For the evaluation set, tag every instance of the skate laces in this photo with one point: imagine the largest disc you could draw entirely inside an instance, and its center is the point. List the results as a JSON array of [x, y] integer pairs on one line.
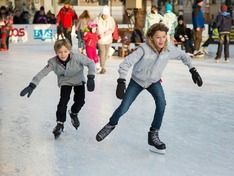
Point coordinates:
[[59, 126], [155, 138], [106, 130]]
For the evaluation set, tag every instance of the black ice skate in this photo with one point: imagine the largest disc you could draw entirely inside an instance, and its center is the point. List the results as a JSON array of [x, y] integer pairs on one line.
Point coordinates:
[[105, 131], [58, 129], [155, 143], [74, 119]]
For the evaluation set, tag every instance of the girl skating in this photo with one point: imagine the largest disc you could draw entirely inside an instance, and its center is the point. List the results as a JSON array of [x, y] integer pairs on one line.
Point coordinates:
[[148, 62]]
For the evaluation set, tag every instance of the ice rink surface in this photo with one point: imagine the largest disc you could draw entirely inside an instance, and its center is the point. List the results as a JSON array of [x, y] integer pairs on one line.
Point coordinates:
[[198, 126]]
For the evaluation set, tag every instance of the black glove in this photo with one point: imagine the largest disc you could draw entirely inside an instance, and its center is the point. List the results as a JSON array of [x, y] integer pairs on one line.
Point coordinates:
[[28, 90], [196, 77], [90, 83], [121, 87]]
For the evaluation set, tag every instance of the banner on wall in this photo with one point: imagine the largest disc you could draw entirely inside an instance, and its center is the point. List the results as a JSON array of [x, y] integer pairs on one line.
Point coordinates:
[[33, 34]]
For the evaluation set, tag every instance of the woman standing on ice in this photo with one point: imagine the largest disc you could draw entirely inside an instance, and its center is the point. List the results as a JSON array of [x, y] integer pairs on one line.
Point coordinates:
[[148, 62], [69, 68]]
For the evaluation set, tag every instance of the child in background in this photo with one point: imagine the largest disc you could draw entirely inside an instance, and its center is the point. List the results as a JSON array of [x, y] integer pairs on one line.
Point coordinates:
[[91, 38], [69, 68], [184, 35]]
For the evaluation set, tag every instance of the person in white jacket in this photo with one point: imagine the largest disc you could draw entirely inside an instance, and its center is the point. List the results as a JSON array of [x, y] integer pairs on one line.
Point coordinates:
[[106, 26], [148, 62], [152, 18]]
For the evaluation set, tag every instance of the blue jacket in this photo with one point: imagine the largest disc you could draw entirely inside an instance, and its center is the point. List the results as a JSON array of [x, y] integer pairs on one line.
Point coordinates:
[[198, 17]]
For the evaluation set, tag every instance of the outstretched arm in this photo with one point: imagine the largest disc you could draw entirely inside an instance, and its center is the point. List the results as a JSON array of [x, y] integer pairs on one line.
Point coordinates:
[[35, 81]]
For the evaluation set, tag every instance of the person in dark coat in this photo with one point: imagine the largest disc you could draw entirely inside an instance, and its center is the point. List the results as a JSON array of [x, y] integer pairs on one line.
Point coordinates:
[[184, 35], [224, 25]]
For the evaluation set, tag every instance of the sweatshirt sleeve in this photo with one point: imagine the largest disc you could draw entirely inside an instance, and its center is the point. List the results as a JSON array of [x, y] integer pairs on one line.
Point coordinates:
[[130, 60], [89, 63], [179, 54], [44, 72]]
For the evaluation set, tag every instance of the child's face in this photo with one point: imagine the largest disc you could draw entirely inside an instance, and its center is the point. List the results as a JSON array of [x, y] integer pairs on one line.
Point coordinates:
[[94, 29], [181, 21], [63, 53], [159, 39]]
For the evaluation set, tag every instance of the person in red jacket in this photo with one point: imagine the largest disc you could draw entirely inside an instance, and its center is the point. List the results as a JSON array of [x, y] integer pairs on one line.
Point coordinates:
[[66, 18], [91, 38]]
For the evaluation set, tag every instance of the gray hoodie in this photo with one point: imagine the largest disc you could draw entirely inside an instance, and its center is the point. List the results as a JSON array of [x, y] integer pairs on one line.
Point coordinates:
[[148, 65], [72, 74]]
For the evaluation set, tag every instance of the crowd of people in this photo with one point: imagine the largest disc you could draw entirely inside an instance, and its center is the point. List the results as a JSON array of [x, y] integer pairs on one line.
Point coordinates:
[[10, 16], [179, 33]]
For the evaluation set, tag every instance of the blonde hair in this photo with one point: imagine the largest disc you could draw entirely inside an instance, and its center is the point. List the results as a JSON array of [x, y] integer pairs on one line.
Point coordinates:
[[60, 43]]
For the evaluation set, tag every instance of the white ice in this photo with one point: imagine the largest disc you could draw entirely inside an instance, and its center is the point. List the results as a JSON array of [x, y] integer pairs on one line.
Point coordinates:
[[198, 126]]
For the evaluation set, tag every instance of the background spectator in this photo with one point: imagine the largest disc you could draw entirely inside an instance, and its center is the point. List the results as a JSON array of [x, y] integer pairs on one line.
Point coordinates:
[[224, 25], [81, 27], [198, 26], [184, 35], [106, 26], [51, 19], [152, 18], [66, 18], [170, 20], [40, 16]]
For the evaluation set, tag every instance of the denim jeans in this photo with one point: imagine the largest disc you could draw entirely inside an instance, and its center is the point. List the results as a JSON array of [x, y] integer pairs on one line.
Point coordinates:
[[134, 89]]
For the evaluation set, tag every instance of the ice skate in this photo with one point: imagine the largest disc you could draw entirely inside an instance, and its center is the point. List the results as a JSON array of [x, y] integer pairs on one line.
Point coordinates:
[[105, 131], [155, 144], [103, 71], [74, 120], [58, 129]]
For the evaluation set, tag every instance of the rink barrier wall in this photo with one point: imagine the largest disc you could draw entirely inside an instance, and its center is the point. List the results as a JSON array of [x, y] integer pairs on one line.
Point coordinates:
[[41, 33]]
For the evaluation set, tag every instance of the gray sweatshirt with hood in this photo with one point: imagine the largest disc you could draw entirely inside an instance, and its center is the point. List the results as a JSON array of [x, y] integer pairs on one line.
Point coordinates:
[[148, 64], [72, 74]]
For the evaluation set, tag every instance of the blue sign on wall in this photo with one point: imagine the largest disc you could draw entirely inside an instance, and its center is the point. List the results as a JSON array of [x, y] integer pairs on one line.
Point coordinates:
[[42, 34]]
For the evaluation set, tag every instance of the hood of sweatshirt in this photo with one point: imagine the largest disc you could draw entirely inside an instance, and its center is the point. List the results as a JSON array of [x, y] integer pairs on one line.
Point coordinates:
[[225, 13]]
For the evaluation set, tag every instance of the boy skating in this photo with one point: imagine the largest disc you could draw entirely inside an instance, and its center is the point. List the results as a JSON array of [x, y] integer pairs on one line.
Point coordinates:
[[69, 69]]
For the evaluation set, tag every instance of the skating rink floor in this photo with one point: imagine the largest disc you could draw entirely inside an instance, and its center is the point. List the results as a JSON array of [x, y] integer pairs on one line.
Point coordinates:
[[198, 126]]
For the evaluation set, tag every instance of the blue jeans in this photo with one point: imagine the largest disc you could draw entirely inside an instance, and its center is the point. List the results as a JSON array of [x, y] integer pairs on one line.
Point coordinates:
[[131, 93]]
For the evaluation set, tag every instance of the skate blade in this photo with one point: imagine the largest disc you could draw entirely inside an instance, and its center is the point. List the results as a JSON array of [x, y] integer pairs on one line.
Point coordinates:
[[74, 125], [56, 136], [154, 150]]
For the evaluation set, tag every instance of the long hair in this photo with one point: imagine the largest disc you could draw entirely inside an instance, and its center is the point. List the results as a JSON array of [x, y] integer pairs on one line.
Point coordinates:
[[85, 14]]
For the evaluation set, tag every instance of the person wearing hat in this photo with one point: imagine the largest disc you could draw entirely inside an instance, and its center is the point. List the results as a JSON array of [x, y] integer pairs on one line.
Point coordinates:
[[105, 28], [198, 26], [224, 25], [91, 38], [170, 20], [66, 18], [184, 35]]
